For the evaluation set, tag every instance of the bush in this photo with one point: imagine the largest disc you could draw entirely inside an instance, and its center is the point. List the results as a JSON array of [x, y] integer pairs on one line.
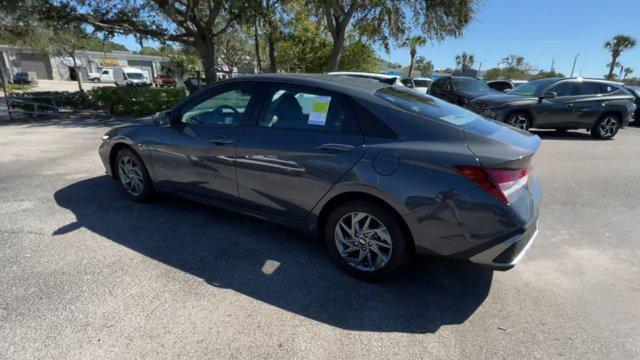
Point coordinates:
[[60, 99], [135, 101]]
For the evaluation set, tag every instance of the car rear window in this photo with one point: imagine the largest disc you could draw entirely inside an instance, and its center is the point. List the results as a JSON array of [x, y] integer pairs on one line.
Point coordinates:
[[428, 106]]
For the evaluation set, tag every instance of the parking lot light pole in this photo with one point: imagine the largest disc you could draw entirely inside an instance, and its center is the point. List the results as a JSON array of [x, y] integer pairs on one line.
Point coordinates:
[[574, 64]]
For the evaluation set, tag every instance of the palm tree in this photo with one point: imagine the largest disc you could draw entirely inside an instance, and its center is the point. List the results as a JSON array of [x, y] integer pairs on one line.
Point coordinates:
[[616, 46], [627, 71], [413, 43], [464, 61]]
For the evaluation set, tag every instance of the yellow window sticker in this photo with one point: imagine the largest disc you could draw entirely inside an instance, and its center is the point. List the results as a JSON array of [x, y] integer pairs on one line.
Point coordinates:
[[319, 110]]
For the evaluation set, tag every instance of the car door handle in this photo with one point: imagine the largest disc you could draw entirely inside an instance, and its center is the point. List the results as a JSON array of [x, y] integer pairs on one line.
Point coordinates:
[[335, 147], [221, 140]]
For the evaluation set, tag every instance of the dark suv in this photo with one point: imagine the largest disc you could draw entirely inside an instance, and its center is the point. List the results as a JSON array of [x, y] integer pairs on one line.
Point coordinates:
[[459, 90], [600, 106]]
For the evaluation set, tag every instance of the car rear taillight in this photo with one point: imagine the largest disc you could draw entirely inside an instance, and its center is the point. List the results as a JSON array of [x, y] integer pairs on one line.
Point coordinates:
[[498, 182]]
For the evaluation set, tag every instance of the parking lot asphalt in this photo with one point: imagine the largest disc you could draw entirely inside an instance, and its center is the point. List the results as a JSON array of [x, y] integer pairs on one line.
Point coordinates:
[[87, 274]]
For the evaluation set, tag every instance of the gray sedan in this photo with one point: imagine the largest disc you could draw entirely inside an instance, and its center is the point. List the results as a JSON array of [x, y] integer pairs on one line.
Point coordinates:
[[378, 171]]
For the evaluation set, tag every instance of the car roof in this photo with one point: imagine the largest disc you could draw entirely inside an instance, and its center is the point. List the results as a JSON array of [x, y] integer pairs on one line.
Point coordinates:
[[352, 85], [364, 74]]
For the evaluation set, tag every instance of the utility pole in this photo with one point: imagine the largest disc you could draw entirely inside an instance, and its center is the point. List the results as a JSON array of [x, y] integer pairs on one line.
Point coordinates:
[[621, 69], [574, 64], [479, 68], [553, 62]]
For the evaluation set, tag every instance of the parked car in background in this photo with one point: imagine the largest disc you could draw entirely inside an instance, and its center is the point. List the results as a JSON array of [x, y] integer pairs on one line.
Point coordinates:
[[383, 78], [459, 90], [125, 76], [418, 84], [603, 107], [163, 80], [635, 91], [25, 77], [501, 85], [378, 171]]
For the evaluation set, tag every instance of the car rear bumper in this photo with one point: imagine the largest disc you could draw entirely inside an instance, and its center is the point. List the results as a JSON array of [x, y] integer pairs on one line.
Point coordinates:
[[507, 254]]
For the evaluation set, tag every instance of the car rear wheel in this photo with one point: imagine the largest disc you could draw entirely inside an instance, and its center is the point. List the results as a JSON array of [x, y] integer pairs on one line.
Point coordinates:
[[133, 176], [520, 120], [366, 240], [607, 127]]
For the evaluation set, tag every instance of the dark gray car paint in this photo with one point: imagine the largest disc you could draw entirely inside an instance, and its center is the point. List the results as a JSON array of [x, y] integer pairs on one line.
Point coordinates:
[[290, 181], [572, 112]]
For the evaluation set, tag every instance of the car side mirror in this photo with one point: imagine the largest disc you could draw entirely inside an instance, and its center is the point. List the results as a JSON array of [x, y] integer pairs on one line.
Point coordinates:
[[547, 95], [162, 118]]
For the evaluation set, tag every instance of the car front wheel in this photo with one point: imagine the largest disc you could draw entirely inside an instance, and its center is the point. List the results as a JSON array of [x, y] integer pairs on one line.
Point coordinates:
[[133, 176], [607, 127], [520, 120], [366, 240]]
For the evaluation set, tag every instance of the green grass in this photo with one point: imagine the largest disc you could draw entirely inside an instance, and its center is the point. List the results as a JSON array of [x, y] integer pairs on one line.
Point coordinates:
[[19, 87]]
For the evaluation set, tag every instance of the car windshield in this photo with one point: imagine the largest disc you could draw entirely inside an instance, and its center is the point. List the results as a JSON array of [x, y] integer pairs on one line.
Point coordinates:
[[421, 83], [470, 85], [426, 105], [533, 87], [135, 76]]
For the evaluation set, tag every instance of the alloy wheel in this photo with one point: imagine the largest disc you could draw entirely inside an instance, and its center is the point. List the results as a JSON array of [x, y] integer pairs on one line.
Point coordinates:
[[608, 127], [520, 121], [130, 176], [363, 241]]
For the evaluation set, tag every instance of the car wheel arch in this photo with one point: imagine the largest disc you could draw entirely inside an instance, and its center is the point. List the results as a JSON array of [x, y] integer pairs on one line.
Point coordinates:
[[347, 196], [616, 113]]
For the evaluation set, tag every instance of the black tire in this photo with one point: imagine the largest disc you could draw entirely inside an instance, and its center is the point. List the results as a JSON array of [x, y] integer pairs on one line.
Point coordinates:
[[95, 80], [607, 127], [399, 251], [519, 119], [140, 195]]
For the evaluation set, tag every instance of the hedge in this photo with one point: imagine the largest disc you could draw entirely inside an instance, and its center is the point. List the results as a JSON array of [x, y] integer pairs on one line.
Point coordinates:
[[132, 101], [135, 101], [60, 99]]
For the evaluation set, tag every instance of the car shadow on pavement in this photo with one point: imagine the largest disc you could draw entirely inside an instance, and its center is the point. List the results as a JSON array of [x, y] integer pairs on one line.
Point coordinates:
[[273, 264]]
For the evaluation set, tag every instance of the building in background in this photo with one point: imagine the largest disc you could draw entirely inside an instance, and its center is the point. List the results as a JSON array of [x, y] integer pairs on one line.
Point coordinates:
[[49, 67]]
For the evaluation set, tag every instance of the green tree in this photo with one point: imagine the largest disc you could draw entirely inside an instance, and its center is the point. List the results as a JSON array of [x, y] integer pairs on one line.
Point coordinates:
[[386, 20], [413, 42], [547, 74], [195, 23], [424, 66], [464, 61], [616, 46], [626, 72], [493, 74]]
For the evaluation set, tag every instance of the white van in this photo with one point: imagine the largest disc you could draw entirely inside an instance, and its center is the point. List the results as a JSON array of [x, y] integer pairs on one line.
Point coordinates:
[[104, 76], [125, 76]]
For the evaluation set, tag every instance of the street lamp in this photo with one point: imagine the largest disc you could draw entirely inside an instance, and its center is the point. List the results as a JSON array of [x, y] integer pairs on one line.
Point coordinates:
[[574, 64]]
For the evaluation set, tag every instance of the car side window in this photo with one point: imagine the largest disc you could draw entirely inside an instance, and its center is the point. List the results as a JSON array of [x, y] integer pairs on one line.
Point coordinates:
[[447, 85], [436, 85], [407, 82], [295, 109], [587, 88], [607, 89], [562, 89], [225, 108]]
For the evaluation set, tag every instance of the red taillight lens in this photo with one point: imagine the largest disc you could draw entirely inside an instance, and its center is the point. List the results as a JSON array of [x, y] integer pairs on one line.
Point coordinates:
[[500, 183]]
